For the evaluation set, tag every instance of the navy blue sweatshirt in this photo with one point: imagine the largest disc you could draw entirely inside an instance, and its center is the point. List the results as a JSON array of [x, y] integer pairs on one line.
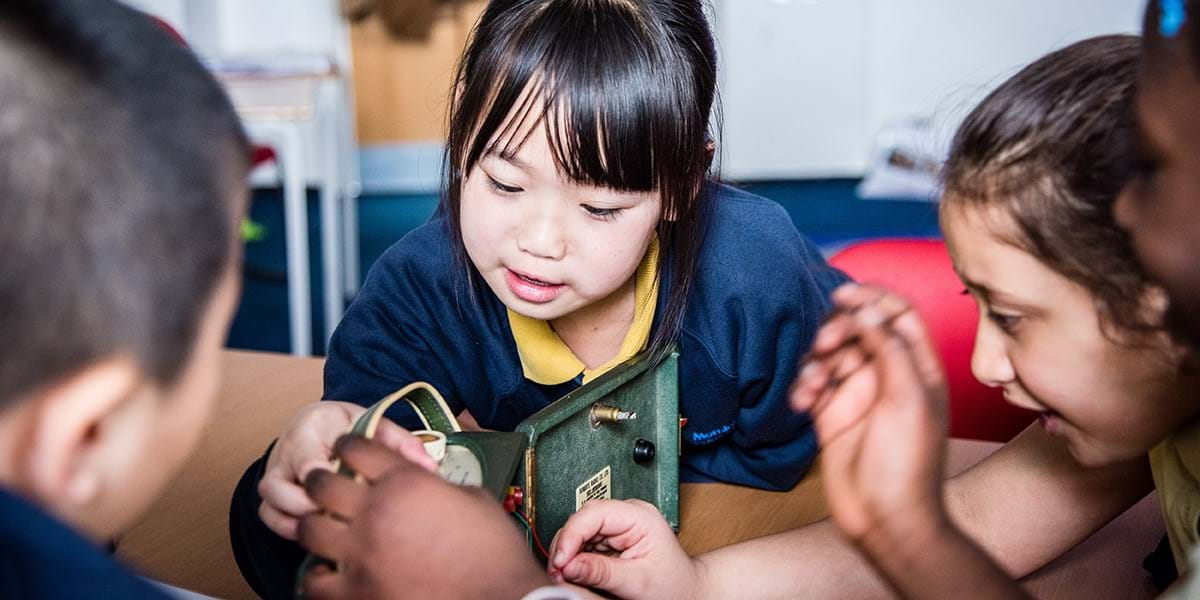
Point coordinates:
[[760, 292], [43, 558]]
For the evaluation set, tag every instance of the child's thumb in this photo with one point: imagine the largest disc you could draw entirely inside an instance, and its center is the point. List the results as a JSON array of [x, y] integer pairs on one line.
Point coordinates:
[[594, 571], [401, 441]]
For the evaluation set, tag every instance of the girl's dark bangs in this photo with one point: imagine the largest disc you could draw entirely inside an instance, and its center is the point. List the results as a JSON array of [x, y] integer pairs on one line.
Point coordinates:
[[610, 119]]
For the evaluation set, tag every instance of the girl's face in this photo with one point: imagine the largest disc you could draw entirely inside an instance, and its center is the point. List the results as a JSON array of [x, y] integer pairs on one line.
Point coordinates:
[[547, 246], [1040, 340], [1161, 206]]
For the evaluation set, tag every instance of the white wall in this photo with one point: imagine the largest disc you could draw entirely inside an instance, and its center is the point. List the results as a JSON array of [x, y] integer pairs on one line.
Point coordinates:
[[807, 83], [793, 89], [240, 28]]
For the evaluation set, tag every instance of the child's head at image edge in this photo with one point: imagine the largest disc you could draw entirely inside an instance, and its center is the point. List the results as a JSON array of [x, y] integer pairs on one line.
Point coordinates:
[[122, 170], [1161, 206], [1070, 326], [578, 136]]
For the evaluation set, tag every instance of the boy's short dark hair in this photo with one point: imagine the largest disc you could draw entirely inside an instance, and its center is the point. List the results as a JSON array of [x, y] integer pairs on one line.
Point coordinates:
[[120, 164]]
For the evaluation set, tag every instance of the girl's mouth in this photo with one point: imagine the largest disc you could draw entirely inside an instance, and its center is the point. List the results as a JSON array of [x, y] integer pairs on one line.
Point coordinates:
[[531, 289]]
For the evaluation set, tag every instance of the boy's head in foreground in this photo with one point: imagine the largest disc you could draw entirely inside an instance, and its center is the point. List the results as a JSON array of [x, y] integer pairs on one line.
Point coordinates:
[[1161, 206], [122, 170]]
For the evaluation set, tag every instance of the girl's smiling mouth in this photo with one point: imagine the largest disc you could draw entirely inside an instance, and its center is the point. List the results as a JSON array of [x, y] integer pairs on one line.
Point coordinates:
[[531, 289]]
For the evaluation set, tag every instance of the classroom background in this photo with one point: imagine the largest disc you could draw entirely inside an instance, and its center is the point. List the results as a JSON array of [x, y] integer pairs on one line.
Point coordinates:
[[840, 110]]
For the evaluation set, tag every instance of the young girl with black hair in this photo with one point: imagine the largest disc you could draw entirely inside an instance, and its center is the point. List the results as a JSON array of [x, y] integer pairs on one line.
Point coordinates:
[[578, 228]]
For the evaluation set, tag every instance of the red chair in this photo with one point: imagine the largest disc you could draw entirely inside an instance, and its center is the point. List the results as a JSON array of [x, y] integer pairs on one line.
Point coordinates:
[[921, 271]]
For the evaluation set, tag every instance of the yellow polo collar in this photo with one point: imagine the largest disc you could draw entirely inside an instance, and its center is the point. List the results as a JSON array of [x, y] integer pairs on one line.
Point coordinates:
[[547, 360]]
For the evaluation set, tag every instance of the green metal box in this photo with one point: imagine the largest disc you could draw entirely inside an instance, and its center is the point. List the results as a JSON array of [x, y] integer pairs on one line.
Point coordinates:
[[571, 456], [615, 437]]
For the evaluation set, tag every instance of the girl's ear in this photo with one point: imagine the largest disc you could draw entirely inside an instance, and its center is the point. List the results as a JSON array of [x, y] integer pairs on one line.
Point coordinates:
[[1153, 304]]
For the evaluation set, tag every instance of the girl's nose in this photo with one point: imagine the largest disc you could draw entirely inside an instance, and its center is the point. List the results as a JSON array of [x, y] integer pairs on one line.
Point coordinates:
[[542, 236], [989, 360]]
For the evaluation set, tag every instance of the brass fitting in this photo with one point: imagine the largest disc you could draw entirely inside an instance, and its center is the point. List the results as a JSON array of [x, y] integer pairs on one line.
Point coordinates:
[[601, 414]]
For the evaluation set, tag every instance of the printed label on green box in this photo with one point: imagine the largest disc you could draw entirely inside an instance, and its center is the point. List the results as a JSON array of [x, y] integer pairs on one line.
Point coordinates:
[[597, 487]]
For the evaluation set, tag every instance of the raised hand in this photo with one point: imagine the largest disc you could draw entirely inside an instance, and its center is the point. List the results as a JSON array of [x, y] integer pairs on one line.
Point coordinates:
[[877, 394]]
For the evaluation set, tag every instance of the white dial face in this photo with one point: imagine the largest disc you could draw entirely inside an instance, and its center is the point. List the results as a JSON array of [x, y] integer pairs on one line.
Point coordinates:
[[461, 467]]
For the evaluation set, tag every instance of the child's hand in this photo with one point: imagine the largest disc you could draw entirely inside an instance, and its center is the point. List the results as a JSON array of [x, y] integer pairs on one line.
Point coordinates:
[[307, 444], [877, 394], [624, 547], [406, 533]]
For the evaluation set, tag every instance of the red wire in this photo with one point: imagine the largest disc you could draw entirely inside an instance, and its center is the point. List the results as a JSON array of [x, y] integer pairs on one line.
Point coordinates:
[[533, 530]]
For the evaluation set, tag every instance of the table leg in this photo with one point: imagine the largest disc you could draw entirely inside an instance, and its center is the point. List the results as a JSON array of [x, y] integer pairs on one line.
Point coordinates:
[[284, 136], [331, 226]]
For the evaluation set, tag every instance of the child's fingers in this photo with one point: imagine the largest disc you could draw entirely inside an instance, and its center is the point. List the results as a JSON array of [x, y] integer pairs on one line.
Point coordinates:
[[842, 325], [336, 494], [284, 495], [324, 535], [813, 381], [581, 527], [467, 421], [851, 296], [551, 568], [897, 313], [603, 518], [592, 570], [833, 334], [840, 367], [910, 327], [283, 525], [323, 583], [849, 360], [408, 445], [369, 458], [899, 376], [818, 375], [846, 406], [322, 461], [813, 378]]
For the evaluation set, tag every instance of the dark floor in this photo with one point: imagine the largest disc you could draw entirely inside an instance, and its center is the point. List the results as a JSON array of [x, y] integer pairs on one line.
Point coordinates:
[[828, 211]]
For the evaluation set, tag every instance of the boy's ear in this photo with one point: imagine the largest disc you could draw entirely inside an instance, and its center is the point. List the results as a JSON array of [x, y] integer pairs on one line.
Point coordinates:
[[67, 427]]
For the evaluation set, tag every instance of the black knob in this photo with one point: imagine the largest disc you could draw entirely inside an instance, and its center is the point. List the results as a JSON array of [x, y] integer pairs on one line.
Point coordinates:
[[643, 451]]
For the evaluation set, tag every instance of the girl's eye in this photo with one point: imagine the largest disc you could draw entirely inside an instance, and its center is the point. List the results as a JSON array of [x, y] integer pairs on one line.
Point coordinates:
[[1007, 323], [602, 213], [503, 189]]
